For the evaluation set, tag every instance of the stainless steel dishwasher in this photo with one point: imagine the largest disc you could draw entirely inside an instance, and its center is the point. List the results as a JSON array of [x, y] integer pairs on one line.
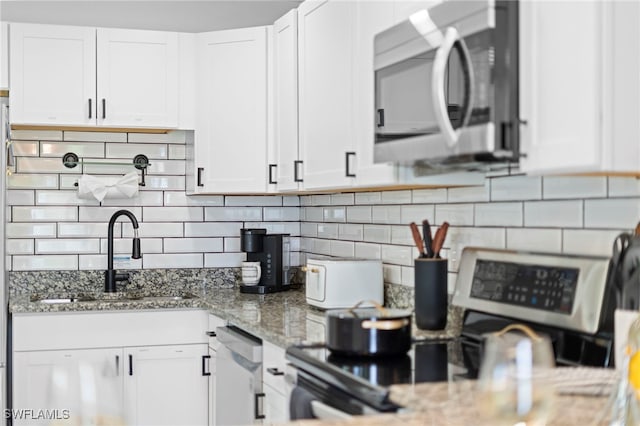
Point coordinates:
[[238, 392]]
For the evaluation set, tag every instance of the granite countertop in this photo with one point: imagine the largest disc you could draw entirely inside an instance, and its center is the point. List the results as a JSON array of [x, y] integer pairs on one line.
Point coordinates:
[[282, 318]]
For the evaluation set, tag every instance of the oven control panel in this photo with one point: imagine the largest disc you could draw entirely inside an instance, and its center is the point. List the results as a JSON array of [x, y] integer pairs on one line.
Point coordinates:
[[545, 288]]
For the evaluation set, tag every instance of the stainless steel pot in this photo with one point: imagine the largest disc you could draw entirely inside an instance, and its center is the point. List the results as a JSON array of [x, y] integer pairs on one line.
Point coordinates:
[[369, 331]]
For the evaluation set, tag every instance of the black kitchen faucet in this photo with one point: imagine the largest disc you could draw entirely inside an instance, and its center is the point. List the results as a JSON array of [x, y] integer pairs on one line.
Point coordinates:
[[111, 276]]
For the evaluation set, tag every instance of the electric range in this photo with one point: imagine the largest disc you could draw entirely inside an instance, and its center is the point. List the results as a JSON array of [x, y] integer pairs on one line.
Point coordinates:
[[569, 298]]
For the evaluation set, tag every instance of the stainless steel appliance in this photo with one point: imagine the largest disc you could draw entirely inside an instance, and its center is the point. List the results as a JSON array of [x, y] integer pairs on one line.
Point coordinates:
[[273, 253], [565, 297], [238, 394], [446, 87]]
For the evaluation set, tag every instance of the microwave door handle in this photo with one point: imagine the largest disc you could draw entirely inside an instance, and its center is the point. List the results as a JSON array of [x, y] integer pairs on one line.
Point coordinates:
[[451, 36]]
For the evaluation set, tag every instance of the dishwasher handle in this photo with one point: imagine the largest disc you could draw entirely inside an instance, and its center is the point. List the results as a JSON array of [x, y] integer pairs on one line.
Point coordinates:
[[241, 343]]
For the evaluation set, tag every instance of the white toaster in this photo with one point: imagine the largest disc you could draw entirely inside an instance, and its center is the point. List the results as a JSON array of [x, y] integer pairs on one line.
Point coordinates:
[[341, 283]]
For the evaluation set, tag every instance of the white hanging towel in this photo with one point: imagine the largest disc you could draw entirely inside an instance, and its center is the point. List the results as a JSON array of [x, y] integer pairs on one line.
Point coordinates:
[[108, 187]]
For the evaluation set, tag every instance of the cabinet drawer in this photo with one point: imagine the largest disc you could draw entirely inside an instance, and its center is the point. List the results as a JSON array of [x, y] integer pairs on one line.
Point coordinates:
[[273, 366]]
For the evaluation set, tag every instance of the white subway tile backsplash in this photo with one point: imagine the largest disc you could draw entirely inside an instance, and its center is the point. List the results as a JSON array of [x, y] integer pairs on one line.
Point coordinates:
[[62, 198], [322, 247], [155, 229], [176, 136], [386, 214], [417, 213], [43, 165], [224, 260], [612, 213], [321, 200], [167, 183], [459, 238], [516, 188], [313, 214], [499, 214], [556, 214], [368, 197], [94, 136], [34, 230], [535, 239], [342, 199], [568, 187], [179, 198], [173, 260], [232, 244], [143, 198], [368, 251], [37, 135], [328, 230], [232, 214], [168, 214], [82, 150], [252, 200], [588, 241], [16, 197], [33, 181], [624, 187], [193, 245], [451, 282], [86, 230], [44, 214], [398, 255], [407, 276], [291, 200], [124, 245], [46, 262], [130, 150], [467, 194], [392, 274], [103, 214], [342, 248], [308, 229], [19, 246], [67, 246], [92, 262], [109, 166], [167, 167], [402, 235], [334, 214], [455, 214], [377, 233], [396, 197], [424, 196], [349, 231], [25, 148], [281, 214], [212, 229], [177, 152], [359, 214]]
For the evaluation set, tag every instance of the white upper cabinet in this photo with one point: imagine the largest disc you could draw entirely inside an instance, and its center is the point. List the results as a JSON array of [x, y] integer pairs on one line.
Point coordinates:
[[285, 64], [579, 89], [231, 122], [326, 52], [4, 55], [53, 75], [56, 81], [137, 78]]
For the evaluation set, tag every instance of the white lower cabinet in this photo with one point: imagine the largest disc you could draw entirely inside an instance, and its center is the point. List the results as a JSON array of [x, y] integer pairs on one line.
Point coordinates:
[[214, 322], [138, 368], [166, 385], [276, 395]]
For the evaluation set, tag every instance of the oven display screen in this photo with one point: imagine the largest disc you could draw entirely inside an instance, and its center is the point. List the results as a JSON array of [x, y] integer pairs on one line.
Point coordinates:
[[547, 288]]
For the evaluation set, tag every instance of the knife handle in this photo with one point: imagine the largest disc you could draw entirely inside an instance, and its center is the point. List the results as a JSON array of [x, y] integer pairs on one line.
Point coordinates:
[[438, 239], [417, 239], [428, 238]]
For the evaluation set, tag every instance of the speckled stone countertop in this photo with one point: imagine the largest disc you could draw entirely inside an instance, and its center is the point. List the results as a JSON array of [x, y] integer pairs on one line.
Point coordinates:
[[281, 318]]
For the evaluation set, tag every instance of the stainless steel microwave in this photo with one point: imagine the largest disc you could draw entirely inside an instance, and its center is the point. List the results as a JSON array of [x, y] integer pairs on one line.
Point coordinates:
[[446, 87]]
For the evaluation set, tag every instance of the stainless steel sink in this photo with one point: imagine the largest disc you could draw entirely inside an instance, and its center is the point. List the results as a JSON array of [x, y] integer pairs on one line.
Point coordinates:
[[109, 297], [56, 299]]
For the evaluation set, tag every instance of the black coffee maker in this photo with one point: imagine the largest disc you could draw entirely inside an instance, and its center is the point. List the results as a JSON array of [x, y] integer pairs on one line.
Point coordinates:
[[272, 251]]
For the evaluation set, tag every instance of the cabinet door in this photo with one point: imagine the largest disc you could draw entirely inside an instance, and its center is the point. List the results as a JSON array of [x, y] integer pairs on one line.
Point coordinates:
[[231, 126], [53, 74], [561, 84], [285, 33], [371, 18], [137, 78], [325, 46], [4, 55], [166, 385], [86, 382], [276, 407]]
